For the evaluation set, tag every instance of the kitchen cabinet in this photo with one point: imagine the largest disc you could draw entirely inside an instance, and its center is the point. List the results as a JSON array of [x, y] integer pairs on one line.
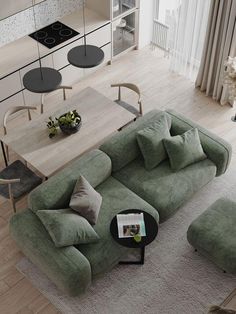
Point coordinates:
[[100, 37], [34, 99], [120, 7], [60, 56], [71, 75], [107, 52], [10, 85], [16, 100], [12, 7]]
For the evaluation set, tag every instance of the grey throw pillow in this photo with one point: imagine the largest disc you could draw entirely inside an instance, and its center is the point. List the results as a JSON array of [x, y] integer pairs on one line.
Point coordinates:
[[66, 227], [184, 150], [151, 144], [86, 201]]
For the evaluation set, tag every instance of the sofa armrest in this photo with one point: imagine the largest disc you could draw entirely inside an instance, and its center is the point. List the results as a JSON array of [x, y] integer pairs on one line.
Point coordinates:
[[217, 150], [66, 267], [55, 193]]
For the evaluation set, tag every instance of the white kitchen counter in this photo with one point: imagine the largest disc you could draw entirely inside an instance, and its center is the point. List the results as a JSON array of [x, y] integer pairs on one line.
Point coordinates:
[[23, 51]]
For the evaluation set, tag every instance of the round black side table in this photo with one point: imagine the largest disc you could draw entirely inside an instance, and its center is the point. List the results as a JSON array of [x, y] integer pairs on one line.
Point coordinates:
[[151, 227]]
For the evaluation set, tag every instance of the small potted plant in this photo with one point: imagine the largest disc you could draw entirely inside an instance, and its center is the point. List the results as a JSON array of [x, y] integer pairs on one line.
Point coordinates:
[[69, 123]]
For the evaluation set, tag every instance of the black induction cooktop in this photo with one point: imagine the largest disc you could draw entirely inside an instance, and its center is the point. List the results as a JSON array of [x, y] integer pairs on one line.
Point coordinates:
[[54, 34]]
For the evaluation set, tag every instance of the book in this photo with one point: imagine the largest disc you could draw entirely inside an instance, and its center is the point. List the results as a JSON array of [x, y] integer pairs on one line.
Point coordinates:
[[130, 225]]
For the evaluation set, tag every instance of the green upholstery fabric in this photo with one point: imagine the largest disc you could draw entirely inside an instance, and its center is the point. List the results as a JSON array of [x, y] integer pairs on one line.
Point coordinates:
[[216, 149], [150, 141], [67, 227], [66, 266], [55, 193], [123, 148], [106, 253], [184, 150], [214, 234], [159, 190], [164, 189], [85, 200]]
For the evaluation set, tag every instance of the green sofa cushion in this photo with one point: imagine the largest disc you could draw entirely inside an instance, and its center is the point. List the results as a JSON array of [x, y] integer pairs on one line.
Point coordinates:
[[106, 253], [217, 149], [213, 233], [65, 266], [55, 193], [123, 148], [184, 150], [67, 227], [150, 141], [164, 189]]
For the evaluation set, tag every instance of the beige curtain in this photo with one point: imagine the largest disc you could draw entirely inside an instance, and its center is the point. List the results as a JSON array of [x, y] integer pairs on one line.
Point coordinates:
[[219, 44]]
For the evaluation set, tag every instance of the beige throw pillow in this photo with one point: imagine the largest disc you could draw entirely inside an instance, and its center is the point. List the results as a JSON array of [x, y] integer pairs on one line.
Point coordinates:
[[86, 201]]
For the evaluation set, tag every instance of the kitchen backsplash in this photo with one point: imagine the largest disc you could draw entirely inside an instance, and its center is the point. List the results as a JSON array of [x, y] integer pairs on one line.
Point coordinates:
[[47, 12]]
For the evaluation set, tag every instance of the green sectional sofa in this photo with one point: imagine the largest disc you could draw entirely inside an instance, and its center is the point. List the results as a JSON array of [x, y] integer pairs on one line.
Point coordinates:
[[117, 172]]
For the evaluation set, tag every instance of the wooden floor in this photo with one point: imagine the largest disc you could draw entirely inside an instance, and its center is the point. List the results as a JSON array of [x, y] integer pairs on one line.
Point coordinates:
[[160, 89]]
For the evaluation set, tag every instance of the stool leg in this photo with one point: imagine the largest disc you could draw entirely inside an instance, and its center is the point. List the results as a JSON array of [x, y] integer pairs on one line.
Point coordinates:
[[42, 103]]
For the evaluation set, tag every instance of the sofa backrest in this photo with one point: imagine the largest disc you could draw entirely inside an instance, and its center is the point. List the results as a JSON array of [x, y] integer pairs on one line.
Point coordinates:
[[55, 193], [217, 150], [123, 148]]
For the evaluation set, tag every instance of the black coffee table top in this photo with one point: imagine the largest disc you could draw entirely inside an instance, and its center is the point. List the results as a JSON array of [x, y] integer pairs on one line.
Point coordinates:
[[151, 227]]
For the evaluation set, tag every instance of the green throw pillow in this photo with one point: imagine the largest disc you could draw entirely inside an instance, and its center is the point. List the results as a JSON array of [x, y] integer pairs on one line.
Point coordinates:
[[67, 227], [151, 144], [184, 150]]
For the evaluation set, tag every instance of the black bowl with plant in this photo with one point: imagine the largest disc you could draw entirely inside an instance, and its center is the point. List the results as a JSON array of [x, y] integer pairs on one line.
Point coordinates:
[[69, 123]]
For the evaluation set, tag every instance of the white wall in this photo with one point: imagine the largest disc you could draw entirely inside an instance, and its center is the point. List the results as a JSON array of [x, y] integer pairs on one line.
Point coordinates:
[[146, 22]]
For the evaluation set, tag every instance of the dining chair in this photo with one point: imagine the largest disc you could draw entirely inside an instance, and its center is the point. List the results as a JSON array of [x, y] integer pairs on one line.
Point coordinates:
[[10, 112], [8, 190], [16, 179], [137, 112], [64, 88]]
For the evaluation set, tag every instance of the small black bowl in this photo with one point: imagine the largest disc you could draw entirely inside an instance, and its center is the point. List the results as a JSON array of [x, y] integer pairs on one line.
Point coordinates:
[[68, 129]]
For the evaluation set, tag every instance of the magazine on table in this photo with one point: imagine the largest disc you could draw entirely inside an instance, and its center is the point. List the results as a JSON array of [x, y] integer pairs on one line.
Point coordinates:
[[130, 225]]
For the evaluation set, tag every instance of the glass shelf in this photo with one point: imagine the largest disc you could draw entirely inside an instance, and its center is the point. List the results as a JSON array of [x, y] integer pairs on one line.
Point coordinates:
[[12, 7], [122, 6], [124, 33]]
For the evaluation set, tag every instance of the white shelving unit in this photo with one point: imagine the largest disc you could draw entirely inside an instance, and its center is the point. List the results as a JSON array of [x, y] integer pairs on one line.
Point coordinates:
[[125, 24]]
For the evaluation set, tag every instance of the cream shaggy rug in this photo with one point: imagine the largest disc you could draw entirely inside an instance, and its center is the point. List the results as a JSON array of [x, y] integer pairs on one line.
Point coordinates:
[[173, 280]]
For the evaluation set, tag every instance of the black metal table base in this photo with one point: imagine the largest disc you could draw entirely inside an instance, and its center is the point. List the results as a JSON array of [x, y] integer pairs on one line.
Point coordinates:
[[140, 262]]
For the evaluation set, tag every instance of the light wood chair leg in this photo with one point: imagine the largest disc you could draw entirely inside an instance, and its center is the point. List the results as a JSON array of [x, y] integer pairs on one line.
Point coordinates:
[[7, 152], [119, 94], [29, 115], [140, 108], [13, 205], [12, 200]]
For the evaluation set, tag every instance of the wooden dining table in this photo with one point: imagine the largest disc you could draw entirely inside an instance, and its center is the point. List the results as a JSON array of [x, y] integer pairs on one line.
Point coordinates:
[[101, 117]]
